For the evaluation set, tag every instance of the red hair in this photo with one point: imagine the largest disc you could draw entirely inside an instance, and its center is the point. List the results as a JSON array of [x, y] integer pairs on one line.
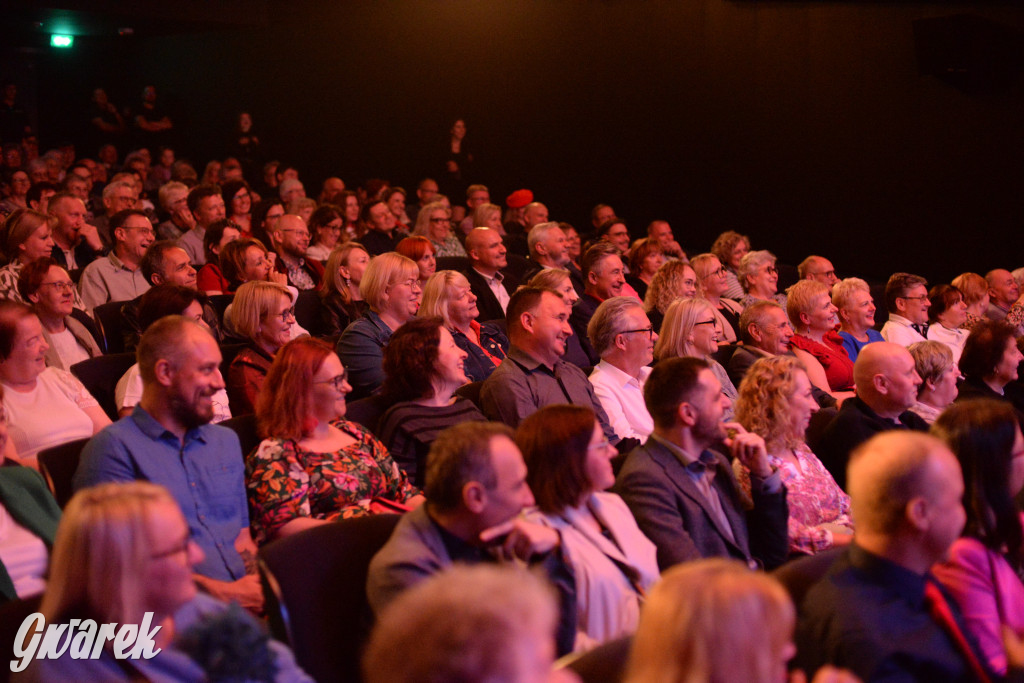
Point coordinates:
[[414, 247], [284, 407]]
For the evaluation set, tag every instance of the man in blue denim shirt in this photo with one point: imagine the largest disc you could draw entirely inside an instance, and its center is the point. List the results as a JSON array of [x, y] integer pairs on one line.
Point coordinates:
[[168, 440]]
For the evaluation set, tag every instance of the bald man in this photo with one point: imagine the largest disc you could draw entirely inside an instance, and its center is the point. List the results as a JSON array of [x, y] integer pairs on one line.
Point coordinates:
[[291, 240], [818, 268], [871, 613], [1005, 301], [887, 385], [487, 259]]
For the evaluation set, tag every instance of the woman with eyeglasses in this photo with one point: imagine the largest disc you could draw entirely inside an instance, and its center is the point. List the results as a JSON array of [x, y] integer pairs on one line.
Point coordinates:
[[759, 278], [238, 203], [313, 466], [326, 225], [262, 314], [568, 465], [49, 290], [123, 555], [776, 403], [985, 565], [712, 284], [421, 251], [434, 221], [816, 343], [391, 288], [692, 330], [423, 367]]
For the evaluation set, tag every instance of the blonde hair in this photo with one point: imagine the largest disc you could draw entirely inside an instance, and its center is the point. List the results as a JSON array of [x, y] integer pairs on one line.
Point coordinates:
[[549, 278], [666, 285], [438, 294], [104, 540], [844, 290], [253, 302], [384, 271], [701, 264], [21, 225], [931, 359], [677, 328], [333, 282], [973, 286], [763, 407], [422, 227], [712, 621], [800, 299]]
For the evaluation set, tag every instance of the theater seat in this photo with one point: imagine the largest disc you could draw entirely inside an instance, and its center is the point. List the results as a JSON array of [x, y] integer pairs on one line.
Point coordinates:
[[12, 614], [100, 376], [604, 664], [315, 587], [797, 576], [245, 427], [57, 464]]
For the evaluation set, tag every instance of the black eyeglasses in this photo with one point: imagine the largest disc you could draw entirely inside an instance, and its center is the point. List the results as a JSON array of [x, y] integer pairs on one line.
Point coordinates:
[[705, 322], [647, 330], [338, 381]]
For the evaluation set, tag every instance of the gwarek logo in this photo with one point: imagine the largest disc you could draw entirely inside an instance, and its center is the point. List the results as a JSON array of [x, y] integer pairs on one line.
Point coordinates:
[[82, 639]]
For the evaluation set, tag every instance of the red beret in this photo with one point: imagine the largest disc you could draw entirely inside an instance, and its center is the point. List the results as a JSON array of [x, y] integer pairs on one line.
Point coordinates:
[[519, 199]]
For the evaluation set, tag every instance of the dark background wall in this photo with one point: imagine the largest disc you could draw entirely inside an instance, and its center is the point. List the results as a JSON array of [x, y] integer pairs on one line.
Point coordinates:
[[808, 125]]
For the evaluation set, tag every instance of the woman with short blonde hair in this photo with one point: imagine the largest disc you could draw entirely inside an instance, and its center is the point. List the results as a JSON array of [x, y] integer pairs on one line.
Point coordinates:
[[712, 283], [775, 402], [434, 222], [713, 620], [856, 311], [816, 343], [262, 313], [975, 290], [939, 374], [759, 278]]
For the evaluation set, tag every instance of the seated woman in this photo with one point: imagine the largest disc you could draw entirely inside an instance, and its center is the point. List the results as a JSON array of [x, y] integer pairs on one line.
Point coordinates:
[[985, 565], [28, 238], [939, 373], [72, 337], [303, 207], [448, 296], [691, 330], [975, 292], [325, 225], [645, 258], [314, 467], [45, 406], [561, 281], [568, 464], [391, 288], [674, 280], [394, 197], [711, 285], [729, 248], [124, 555], [421, 252], [210, 279], [759, 278], [434, 222], [946, 316], [265, 217], [856, 311], [339, 292], [262, 314], [776, 403], [156, 303], [989, 364], [247, 260], [714, 620], [488, 216], [816, 344], [28, 524], [237, 198], [423, 367], [348, 201]]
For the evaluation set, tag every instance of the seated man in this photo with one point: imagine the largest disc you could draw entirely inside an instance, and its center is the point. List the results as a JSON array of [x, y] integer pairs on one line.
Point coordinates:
[[117, 276], [168, 440], [623, 337], [118, 195], [683, 494], [547, 245], [886, 382], [906, 298], [173, 198], [291, 240], [873, 611], [661, 232], [533, 374], [818, 268], [76, 244], [468, 611], [765, 331], [207, 207], [603, 278], [491, 287], [475, 487], [382, 234], [1004, 300]]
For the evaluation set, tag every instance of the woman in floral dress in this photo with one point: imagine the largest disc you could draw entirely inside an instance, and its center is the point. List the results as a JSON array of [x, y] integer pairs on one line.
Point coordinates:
[[315, 467]]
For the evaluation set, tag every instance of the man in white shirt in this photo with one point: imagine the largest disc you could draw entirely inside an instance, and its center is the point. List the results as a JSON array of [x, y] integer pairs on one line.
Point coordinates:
[[623, 337], [906, 298]]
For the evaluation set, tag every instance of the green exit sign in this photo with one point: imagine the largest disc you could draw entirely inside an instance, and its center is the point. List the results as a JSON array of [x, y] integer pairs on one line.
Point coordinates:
[[58, 40]]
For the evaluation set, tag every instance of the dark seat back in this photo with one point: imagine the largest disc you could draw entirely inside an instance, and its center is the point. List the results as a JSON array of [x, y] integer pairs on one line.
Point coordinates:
[[245, 427], [605, 663], [368, 411], [109, 317], [309, 313], [12, 615], [816, 427], [58, 464], [315, 585], [100, 376], [797, 576]]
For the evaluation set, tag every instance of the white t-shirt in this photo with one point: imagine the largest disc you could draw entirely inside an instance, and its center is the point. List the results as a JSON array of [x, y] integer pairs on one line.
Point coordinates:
[[23, 555], [68, 348], [51, 414], [128, 393]]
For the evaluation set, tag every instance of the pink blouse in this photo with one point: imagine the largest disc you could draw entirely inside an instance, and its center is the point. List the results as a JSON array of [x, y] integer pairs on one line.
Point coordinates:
[[814, 499]]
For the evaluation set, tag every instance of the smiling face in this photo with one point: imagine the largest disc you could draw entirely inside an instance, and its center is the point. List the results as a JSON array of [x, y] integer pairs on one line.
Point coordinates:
[[801, 404], [598, 463], [821, 315], [606, 279], [330, 385], [396, 204], [210, 210], [449, 368], [859, 312], [27, 352], [619, 236], [354, 266], [276, 326], [715, 279], [1006, 369], [439, 224], [177, 269], [764, 282], [550, 328], [955, 315], [241, 203], [639, 346], [462, 308], [705, 333], [427, 264], [257, 265], [196, 380], [739, 250], [568, 292], [776, 332], [1003, 287], [329, 234], [167, 583], [38, 244], [381, 218], [55, 296], [134, 237], [914, 305], [402, 297]]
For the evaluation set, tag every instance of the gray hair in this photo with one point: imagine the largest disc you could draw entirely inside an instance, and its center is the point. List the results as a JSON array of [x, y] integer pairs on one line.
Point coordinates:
[[609, 321]]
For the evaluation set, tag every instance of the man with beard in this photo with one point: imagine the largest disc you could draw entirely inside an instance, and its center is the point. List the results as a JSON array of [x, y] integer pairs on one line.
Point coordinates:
[[683, 494], [168, 440], [291, 240]]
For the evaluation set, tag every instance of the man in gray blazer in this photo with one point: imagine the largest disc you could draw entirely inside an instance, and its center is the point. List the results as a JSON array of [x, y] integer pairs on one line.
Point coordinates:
[[683, 494]]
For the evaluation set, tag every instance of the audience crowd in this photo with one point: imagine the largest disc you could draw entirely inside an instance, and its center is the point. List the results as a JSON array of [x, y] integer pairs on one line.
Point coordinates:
[[667, 440]]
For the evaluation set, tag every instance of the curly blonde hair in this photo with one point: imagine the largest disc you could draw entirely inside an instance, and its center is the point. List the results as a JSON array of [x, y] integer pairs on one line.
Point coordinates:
[[763, 403], [666, 285]]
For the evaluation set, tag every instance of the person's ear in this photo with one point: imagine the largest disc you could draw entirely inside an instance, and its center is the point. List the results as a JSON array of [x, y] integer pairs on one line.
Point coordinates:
[[164, 372], [687, 414], [474, 497], [34, 297], [916, 513], [755, 332]]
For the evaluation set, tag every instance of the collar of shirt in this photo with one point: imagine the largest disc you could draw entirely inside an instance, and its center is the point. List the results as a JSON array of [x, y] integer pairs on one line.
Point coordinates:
[[118, 263], [623, 378], [148, 425], [899, 320], [685, 458], [904, 582], [498, 277], [528, 362]]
